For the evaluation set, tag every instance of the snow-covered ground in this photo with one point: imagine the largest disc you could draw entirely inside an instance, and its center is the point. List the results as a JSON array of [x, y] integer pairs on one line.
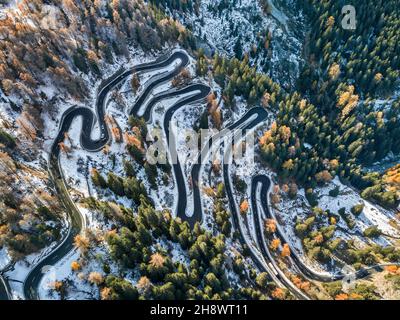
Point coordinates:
[[17, 274], [246, 21], [288, 211], [77, 164], [372, 215], [52, 118], [4, 258], [386, 163]]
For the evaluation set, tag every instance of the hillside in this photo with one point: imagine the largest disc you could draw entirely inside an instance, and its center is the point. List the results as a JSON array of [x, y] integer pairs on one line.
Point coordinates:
[[199, 150]]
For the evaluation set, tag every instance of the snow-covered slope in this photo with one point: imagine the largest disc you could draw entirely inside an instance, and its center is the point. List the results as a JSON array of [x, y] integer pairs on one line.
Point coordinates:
[[241, 26]]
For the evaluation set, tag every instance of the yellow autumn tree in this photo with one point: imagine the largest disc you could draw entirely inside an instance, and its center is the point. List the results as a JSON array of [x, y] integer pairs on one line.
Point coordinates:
[[378, 77], [330, 22], [355, 296], [265, 99], [347, 101], [334, 71], [288, 165], [303, 104], [285, 133]]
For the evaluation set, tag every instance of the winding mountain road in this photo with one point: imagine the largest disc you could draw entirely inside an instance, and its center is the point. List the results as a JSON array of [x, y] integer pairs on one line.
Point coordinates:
[[187, 95], [263, 260], [5, 291], [265, 183], [77, 222], [252, 118]]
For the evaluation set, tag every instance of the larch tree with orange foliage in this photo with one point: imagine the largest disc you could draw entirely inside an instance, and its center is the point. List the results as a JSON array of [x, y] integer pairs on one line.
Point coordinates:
[[75, 266], [275, 243], [285, 251], [96, 278], [275, 198], [302, 285], [270, 226], [342, 296], [64, 148], [244, 207], [319, 238], [116, 133], [392, 269], [82, 243], [334, 71], [144, 285], [278, 294], [323, 176], [157, 260], [265, 99], [105, 294]]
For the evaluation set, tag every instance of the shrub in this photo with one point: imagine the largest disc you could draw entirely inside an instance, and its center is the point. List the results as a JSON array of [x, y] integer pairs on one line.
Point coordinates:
[[372, 232]]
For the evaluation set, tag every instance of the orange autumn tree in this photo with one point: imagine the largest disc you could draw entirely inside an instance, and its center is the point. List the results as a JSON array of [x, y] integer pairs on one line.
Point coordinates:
[[342, 296], [275, 244], [58, 286], [64, 148], [144, 285], [392, 269], [278, 294], [157, 260], [82, 243], [319, 238], [302, 285], [323, 176], [75, 266], [334, 71], [216, 117], [105, 294], [270, 226], [266, 138], [96, 278], [133, 140], [244, 207], [116, 133], [285, 251]]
